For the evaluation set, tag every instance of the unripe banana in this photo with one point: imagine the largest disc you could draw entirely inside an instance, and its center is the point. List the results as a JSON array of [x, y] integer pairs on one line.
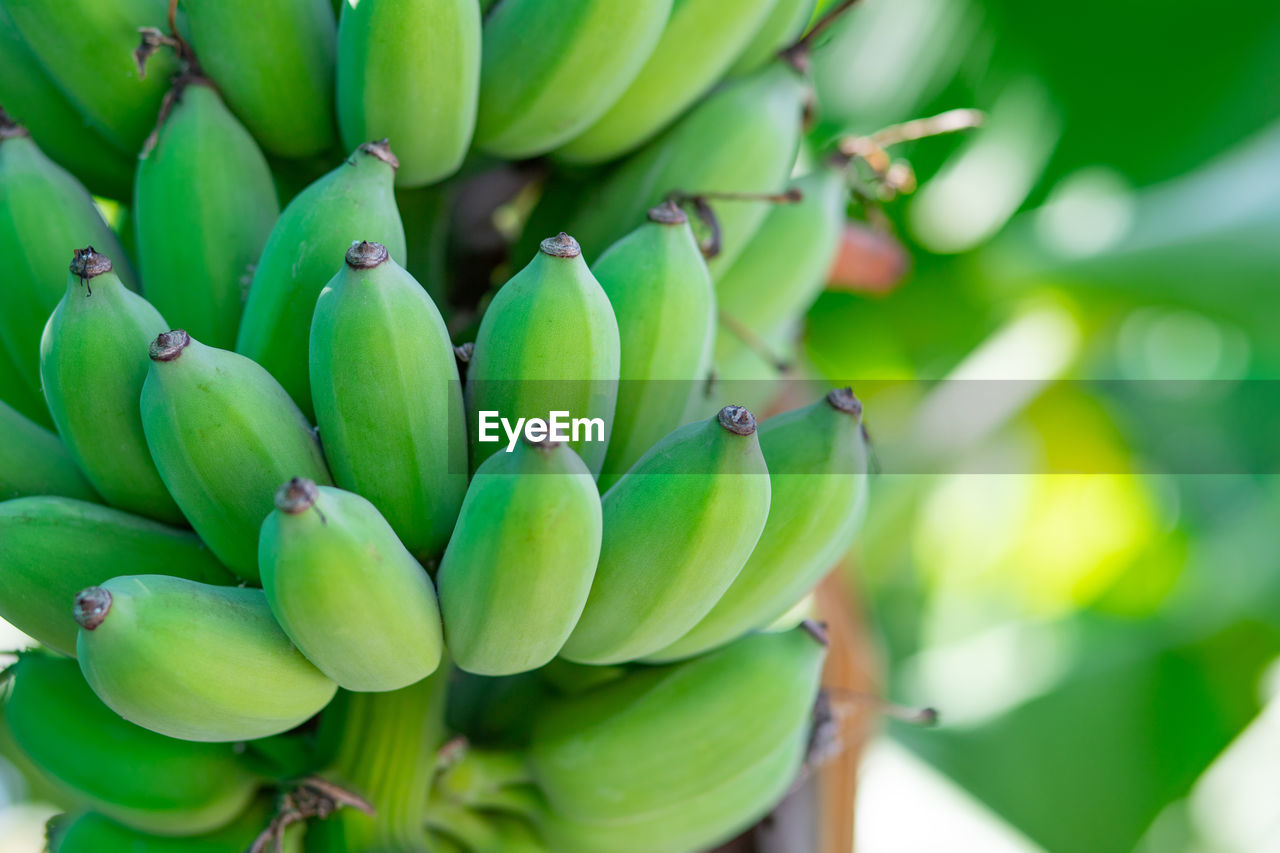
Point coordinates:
[[409, 71], [194, 661], [550, 69], [678, 528], [388, 399], [623, 751], [17, 393], [204, 203], [345, 590], [782, 27], [548, 342], [35, 102], [34, 461], [45, 214], [273, 62], [519, 566], [224, 435], [94, 833], [701, 822], [779, 275], [145, 780], [495, 711], [354, 202], [661, 293], [743, 138], [818, 464], [92, 368], [53, 547], [701, 39], [86, 47]]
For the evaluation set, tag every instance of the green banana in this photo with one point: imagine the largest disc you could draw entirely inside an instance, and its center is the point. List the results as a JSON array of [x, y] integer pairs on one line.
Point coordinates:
[[94, 833], [388, 399], [783, 26], [86, 47], [548, 70], [547, 343], [92, 369], [661, 292], [818, 464], [701, 822], [743, 138], [224, 435], [45, 214], [145, 780], [519, 566], [35, 102], [16, 392], [353, 202], [34, 461], [273, 61], [678, 528], [204, 203], [700, 41], [409, 71], [52, 547], [345, 590], [494, 711], [194, 661], [622, 753], [779, 275]]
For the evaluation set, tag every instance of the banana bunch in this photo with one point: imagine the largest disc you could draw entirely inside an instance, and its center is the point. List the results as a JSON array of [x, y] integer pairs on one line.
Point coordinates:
[[339, 535]]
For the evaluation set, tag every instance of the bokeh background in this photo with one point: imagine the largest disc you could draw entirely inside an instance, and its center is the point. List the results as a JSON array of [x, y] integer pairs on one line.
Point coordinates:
[[1103, 645]]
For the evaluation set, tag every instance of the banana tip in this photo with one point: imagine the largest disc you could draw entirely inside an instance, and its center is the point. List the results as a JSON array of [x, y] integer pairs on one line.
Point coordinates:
[[465, 352], [9, 128], [297, 496], [91, 607], [364, 255], [843, 400], [87, 263], [818, 631], [381, 148], [561, 246], [668, 213], [169, 345], [737, 420]]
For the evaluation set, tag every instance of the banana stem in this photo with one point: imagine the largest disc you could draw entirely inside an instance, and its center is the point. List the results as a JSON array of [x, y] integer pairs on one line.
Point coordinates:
[[461, 824], [483, 779], [387, 752]]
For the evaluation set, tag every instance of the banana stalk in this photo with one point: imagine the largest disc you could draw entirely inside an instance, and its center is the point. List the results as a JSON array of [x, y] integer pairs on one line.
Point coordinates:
[[387, 748]]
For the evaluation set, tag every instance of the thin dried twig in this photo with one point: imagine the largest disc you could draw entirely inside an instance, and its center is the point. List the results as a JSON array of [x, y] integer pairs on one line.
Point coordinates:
[[313, 798]]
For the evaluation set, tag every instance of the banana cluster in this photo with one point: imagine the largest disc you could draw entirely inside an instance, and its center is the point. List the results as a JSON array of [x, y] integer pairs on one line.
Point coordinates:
[[288, 592]]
